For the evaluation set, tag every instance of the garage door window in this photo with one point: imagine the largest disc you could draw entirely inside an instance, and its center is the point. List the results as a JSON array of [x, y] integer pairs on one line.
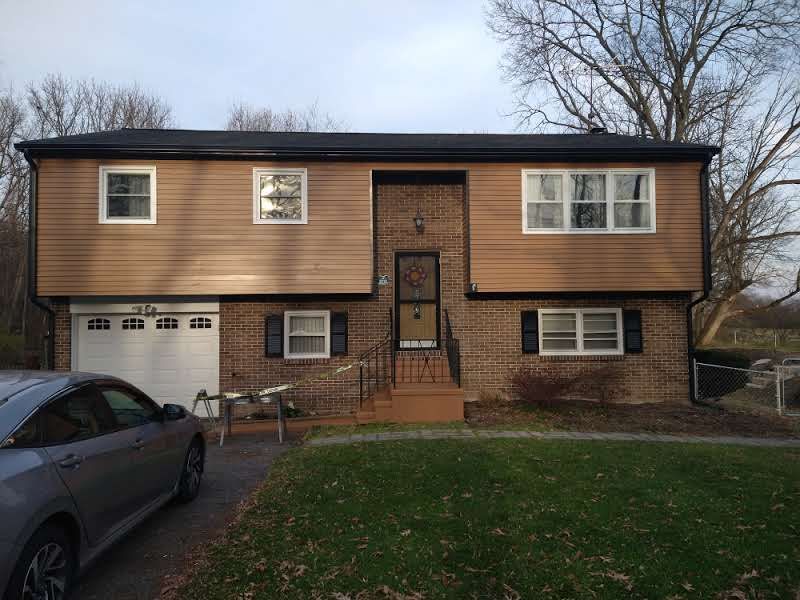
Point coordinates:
[[134, 323], [200, 323], [167, 323], [98, 324]]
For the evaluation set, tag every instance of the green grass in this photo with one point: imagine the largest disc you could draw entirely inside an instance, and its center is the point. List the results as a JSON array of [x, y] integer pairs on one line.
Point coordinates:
[[515, 519], [323, 431]]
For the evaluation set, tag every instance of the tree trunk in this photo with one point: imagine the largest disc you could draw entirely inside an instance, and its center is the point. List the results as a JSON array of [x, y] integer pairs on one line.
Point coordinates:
[[719, 313]]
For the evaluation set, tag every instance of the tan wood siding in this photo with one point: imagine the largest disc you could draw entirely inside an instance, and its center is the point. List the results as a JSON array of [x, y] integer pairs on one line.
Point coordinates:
[[504, 259], [204, 241]]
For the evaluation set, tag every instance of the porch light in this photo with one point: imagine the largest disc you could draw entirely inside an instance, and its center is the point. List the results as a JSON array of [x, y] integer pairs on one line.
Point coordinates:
[[419, 222]]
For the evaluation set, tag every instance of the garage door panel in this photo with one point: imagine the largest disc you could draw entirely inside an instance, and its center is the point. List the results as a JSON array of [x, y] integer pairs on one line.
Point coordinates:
[[170, 357]]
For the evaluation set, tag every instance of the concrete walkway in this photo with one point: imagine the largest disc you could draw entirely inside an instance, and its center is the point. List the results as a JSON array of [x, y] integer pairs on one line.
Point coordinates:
[[472, 434]]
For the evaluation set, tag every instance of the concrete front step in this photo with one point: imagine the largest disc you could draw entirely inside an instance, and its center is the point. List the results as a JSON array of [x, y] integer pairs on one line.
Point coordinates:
[[420, 403]]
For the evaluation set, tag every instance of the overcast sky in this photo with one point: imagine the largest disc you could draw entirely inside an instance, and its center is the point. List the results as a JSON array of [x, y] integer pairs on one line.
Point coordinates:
[[413, 65]]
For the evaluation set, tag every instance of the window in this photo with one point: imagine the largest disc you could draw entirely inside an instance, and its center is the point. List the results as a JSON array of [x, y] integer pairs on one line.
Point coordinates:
[[199, 323], [128, 195], [129, 409], [580, 331], [75, 416], [166, 323], [132, 323], [545, 204], [307, 334], [588, 201], [98, 324], [27, 435], [280, 196]]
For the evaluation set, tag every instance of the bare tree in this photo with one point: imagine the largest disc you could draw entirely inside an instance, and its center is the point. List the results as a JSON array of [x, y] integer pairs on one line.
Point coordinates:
[[722, 72], [244, 117], [53, 107]]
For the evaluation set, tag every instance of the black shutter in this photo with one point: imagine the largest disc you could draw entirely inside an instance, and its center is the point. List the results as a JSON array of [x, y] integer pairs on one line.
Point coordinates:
[[338, 333], [530, 331], [632, 322], [273, 335]]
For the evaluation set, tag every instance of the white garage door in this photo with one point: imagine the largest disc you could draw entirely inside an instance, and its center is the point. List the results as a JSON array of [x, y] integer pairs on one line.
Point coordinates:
[[169, 356]]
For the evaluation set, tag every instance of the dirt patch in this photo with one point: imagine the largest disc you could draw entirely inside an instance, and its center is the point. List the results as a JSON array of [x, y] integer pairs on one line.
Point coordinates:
[[576, 415]]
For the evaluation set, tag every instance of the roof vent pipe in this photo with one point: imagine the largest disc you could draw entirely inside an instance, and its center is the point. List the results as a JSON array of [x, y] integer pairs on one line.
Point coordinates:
[[597, 130]]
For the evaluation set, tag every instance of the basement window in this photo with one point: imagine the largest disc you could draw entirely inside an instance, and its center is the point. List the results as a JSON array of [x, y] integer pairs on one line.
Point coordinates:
[[580, 331], [128, 195], [280, 196], [307, 334]]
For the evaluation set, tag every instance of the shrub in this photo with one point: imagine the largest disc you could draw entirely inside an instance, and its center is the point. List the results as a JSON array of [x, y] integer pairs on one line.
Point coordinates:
[[538, 389], [598, 383], [725, 358]]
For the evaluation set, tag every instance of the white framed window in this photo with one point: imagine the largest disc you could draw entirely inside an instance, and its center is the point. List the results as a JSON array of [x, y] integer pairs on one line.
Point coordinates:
[[280, 196], [199, 323], [580, 331], [588, 201], [98, 324], [132, 323], [128, 195], [307, 334], [166, 323]]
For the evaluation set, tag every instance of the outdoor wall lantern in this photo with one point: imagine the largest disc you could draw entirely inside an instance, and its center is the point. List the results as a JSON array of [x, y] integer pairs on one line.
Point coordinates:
[[419, 222]]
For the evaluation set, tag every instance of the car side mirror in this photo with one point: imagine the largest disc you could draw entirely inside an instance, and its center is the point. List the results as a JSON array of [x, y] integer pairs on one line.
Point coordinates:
[[174, 412]]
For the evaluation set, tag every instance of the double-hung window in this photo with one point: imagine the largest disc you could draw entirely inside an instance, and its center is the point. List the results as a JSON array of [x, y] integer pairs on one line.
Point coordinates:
[[307, 333], [128, 195], [280, 196], [580, 331], [588, 201]]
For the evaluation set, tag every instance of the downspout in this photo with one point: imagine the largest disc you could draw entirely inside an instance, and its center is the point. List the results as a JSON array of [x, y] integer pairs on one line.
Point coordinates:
[[33, 195], [705, 218]]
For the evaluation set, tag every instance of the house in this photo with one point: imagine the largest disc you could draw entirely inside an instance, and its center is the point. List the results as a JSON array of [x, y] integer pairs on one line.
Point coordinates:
[[234, 261]]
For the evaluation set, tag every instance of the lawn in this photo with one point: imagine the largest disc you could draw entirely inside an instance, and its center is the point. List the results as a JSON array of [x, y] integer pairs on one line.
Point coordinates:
[[515, 519]]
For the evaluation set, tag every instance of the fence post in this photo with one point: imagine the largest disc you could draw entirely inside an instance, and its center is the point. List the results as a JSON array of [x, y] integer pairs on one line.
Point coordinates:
[[696, 384], [778, 389]]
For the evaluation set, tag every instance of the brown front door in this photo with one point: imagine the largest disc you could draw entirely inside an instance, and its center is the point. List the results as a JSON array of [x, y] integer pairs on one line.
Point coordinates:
[[417, 300]]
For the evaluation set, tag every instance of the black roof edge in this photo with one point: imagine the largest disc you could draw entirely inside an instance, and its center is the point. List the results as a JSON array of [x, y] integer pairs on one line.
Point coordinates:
[[388, 154]]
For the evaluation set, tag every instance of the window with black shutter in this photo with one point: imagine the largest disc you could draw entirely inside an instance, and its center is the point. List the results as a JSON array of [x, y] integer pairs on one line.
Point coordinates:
[[338, 333], [273, 335], [530, 332], [632, 321]]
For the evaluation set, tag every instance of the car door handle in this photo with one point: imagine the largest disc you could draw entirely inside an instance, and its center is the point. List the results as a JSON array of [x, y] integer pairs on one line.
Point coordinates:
[[73, 460], [138, 445]]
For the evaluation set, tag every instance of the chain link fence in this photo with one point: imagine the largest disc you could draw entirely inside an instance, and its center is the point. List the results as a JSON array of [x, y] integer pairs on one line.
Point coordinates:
[[773, 389]]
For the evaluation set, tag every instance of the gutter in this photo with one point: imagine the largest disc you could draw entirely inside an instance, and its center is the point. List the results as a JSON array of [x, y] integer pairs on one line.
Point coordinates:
[[477, 154], [707, 283], [33, 194]]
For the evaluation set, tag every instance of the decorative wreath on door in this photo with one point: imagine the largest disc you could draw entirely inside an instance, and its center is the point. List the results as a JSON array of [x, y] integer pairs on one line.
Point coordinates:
[[415, 276]]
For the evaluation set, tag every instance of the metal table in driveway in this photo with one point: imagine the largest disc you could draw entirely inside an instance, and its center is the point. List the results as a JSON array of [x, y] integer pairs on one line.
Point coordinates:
[[228, 404]]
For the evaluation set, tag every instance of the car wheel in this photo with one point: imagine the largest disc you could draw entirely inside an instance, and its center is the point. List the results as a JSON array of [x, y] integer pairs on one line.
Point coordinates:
[[192, 473], [45, 569]]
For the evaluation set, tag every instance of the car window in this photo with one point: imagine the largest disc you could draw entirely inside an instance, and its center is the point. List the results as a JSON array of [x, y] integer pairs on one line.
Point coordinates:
[[129, 408], [74, 416], [27, 435]]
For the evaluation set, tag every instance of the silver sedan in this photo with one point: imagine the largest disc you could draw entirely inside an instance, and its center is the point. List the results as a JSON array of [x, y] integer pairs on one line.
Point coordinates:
[[83, 459]]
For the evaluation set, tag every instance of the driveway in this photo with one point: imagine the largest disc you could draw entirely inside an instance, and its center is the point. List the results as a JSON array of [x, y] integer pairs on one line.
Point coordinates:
[[133, 569]]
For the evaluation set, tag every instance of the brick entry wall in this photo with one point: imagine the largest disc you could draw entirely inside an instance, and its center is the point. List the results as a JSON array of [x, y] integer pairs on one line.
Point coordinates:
[[489, 330]]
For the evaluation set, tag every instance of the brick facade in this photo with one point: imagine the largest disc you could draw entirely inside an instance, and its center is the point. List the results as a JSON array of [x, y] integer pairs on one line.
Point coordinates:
[[62, 360], [488, 329]]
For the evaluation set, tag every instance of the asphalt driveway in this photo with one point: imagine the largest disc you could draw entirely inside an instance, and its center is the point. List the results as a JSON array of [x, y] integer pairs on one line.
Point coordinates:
[[134, 568]]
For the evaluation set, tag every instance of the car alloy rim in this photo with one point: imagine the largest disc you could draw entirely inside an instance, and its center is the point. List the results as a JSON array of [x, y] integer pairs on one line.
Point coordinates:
[[194, 467], [46, 578]]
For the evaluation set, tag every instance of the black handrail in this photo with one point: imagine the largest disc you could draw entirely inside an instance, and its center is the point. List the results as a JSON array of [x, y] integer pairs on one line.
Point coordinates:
[[373, 368], [453, 348]]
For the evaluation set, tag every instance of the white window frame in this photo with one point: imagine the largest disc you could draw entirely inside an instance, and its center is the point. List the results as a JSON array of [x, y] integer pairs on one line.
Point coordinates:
[[105, 171], [257, 173], [306, 313], [566, 199], [579, 351]]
